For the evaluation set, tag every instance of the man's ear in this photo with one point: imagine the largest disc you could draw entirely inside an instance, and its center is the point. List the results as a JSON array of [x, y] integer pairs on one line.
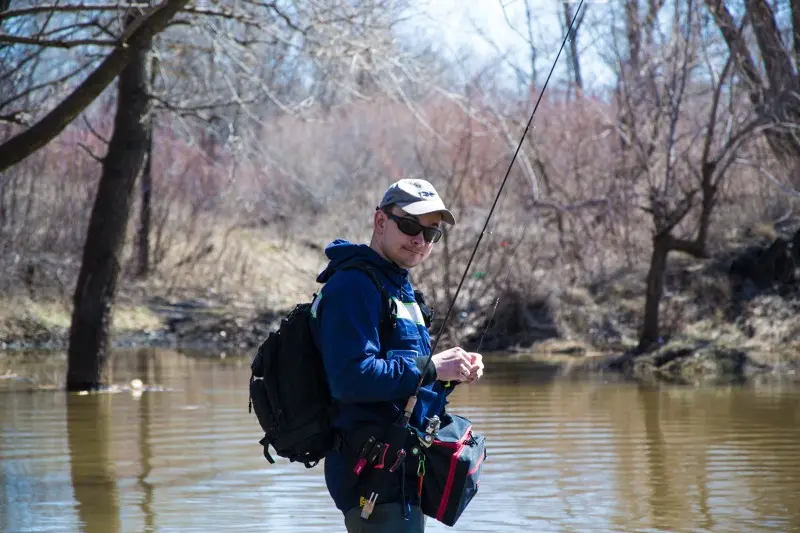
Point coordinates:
[[379, 220]]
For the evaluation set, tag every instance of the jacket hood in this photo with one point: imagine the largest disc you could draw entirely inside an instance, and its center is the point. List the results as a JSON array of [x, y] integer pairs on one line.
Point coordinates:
[[342, 252]]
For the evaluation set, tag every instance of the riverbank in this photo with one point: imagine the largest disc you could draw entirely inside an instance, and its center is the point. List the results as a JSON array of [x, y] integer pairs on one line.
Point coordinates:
[[208, 327], [715, 329]]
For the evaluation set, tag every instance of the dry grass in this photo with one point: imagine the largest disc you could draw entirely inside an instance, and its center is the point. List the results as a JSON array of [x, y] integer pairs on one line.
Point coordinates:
[[18, 314], [253, 270], [246, 231], [52, 314]]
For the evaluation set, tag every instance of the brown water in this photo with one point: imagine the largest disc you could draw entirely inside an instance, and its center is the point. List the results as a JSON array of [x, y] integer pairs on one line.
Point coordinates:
[[564, 456]]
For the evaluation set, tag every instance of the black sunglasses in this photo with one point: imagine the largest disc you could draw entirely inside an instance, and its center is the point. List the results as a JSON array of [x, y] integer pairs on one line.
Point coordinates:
[[411, 227]]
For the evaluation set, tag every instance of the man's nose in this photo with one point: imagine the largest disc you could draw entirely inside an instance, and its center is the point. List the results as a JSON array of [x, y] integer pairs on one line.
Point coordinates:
[[417, 239]]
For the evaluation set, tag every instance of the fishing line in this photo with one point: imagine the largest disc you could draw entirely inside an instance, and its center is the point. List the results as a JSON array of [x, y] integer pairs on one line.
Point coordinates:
[[413, 399], [517, 246]]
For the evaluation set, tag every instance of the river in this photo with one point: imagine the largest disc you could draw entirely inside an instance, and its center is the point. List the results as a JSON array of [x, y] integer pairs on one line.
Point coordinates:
[[564, 454]]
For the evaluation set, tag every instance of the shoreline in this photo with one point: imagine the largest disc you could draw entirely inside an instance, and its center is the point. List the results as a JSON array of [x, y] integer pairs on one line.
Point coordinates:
[[683, 361], [716, 327]]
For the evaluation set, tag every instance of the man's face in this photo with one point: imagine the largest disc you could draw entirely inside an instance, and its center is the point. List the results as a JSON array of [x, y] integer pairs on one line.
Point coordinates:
[[405, 250]]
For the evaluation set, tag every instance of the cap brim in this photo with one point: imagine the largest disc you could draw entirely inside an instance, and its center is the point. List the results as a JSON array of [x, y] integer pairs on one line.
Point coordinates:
[[429, 206]]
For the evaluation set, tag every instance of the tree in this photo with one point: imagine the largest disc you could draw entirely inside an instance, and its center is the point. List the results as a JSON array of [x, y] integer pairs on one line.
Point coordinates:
[[145, 209], [574, 54], [774, 96], [102, 255], [125, 46], [228, 69], [678, 158]]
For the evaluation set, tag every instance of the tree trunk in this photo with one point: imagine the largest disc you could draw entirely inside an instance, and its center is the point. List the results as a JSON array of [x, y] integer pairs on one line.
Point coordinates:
[[574, 55], [143, 231], [795, 7], [655, 289], [774, 97], [3, 213], [100, 268], [146, 209]]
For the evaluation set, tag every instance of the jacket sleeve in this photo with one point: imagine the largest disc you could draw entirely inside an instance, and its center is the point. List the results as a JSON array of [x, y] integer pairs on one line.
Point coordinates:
[[348, 319]]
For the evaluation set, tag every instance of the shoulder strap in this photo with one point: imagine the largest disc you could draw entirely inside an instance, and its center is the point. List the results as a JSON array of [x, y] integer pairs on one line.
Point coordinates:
[[427, 312], [389, 307]]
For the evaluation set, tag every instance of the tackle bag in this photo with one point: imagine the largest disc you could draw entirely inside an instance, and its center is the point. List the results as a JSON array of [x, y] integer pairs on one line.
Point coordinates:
[[453, 464]]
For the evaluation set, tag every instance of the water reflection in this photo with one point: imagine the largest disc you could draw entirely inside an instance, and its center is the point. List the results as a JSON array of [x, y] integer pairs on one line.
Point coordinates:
[[149, 368], [94, 479], [564, 455]]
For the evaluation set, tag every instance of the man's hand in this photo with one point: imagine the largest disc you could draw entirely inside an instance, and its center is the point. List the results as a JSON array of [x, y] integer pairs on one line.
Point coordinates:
[[457, 365], [476, 369]]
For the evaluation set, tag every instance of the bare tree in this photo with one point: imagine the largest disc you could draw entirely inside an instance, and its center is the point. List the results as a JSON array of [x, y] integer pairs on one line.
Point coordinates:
[[775, 95], [574, 54], [124, 47], [526, 73], [682, 160], [635, 83], [100, 267], [227, 70]]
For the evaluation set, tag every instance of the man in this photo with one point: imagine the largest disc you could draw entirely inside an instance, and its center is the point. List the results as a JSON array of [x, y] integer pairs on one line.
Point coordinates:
[[372, 373]]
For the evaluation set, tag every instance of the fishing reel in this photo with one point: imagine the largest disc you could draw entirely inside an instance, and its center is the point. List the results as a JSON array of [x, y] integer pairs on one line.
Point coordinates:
[[431, 430]]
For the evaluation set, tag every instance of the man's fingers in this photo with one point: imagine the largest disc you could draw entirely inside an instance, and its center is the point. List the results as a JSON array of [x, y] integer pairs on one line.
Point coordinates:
[[460, 365], [476, 368]]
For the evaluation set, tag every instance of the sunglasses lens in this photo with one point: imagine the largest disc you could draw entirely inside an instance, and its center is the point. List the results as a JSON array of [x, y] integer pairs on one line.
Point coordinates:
[[412, 228], [408, 226], [431, 235]]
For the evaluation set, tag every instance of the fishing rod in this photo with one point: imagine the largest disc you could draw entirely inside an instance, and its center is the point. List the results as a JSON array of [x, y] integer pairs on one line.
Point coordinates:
[[412, 401]]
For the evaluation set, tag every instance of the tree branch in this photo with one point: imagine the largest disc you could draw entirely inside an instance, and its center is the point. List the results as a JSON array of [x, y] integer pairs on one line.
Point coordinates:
[[25, 11], [569, 208], [89, 152], [194, 110], [712, 119], [691, 247], [93, 131], [55, 43], [20, 117], [271, 6], [149, 24], [225, 14], [775, 57], [39, 86], [65, 32], [737, 46]]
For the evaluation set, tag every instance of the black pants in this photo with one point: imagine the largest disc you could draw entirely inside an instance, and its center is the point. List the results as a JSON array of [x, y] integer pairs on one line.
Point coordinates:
[[385, 518]]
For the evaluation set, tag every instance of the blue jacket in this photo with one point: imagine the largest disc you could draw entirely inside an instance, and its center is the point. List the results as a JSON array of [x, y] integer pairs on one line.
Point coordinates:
[[370, 380]]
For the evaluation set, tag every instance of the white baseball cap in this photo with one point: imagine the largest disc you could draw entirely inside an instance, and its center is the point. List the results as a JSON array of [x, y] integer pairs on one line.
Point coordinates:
[[416, 197]]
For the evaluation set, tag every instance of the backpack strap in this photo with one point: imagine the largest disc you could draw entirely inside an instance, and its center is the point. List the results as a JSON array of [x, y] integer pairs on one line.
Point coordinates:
[[389, 306], [427, 312]]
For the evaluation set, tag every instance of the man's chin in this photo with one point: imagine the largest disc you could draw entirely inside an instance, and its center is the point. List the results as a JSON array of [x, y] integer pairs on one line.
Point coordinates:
[[410, 260]]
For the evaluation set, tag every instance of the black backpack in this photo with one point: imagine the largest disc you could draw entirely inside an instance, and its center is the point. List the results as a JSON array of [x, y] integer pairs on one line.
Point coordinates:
[[288, 388]]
